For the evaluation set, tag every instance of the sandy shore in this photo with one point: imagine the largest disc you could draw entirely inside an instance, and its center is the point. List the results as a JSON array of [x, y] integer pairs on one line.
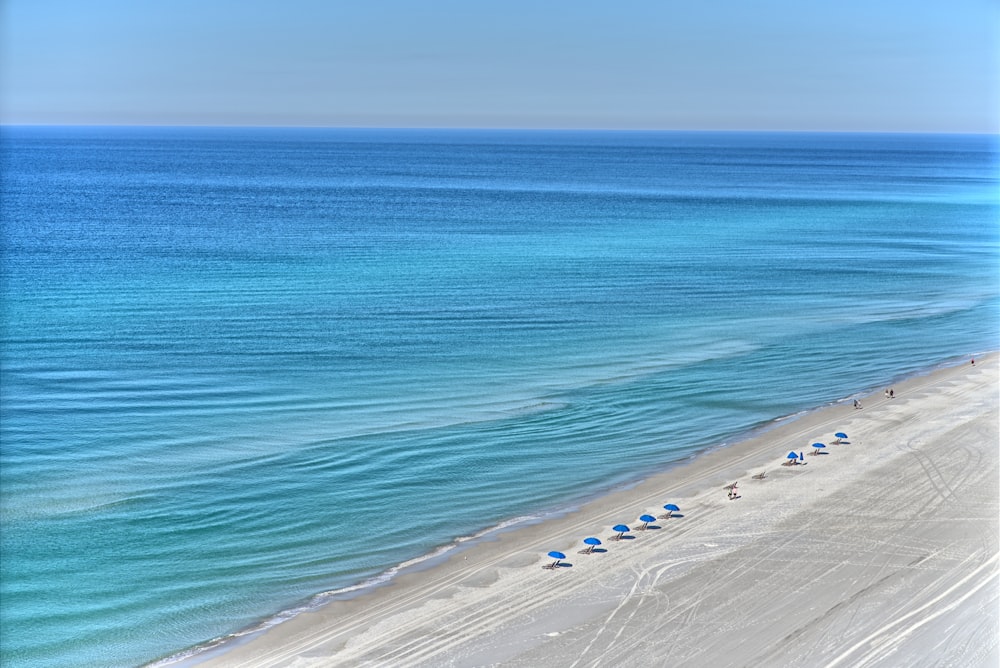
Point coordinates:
[[883, 551]]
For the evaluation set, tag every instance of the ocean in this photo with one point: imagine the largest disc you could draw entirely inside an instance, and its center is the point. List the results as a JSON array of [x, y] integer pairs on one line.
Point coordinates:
[[248, 370]]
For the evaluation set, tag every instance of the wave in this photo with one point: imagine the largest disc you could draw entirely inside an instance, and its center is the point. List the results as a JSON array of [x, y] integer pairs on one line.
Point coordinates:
[[53, 505], [904, 311]]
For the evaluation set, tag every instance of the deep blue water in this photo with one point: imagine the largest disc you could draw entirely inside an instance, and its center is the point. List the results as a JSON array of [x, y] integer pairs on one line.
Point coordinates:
[[243, 367]]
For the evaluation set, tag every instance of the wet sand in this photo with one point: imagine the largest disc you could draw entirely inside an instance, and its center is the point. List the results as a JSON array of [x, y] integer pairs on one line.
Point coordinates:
[[882, 551]]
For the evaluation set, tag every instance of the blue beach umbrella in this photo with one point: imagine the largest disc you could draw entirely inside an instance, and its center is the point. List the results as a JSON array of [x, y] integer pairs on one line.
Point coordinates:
[[621, 529], [818, 446], [645, 519], [671, 508], [840, 436], [792, 456], [591, 543], [558, 556]]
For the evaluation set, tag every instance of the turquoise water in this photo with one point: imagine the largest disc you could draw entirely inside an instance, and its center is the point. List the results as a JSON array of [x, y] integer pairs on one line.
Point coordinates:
[[241, 368]]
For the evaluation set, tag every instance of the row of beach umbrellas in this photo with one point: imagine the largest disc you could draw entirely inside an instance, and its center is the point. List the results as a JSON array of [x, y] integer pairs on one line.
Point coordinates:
[[591, 542], [840, 436]]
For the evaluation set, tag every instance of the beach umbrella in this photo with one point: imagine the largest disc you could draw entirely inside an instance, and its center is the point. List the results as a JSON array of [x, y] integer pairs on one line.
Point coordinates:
[[671, 508], [621, 529], [792, 455], [591, 543], [840, 436], [558, 556], [645, 519], [819, 445]]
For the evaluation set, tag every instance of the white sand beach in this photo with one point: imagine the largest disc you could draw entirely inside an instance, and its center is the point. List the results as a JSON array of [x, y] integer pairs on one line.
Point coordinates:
[[881, 552]]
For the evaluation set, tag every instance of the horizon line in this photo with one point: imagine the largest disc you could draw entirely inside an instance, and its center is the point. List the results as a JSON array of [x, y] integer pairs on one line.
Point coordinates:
[[236, 126]]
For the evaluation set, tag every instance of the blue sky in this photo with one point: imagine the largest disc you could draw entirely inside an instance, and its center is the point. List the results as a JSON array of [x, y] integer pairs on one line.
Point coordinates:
[[851, 65]]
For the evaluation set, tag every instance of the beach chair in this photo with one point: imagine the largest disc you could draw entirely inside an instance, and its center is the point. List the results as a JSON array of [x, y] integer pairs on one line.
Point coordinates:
[[759, 476]]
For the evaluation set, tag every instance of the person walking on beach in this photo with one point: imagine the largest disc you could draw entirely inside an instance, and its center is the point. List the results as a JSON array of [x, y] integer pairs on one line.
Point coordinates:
[[892, 394]]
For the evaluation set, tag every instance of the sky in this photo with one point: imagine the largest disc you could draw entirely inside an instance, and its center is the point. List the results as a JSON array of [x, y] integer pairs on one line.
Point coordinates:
[[850, 65]]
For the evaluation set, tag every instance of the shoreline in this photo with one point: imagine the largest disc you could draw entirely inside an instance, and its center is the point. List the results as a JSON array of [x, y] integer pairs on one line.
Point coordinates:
[[498, 551]]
